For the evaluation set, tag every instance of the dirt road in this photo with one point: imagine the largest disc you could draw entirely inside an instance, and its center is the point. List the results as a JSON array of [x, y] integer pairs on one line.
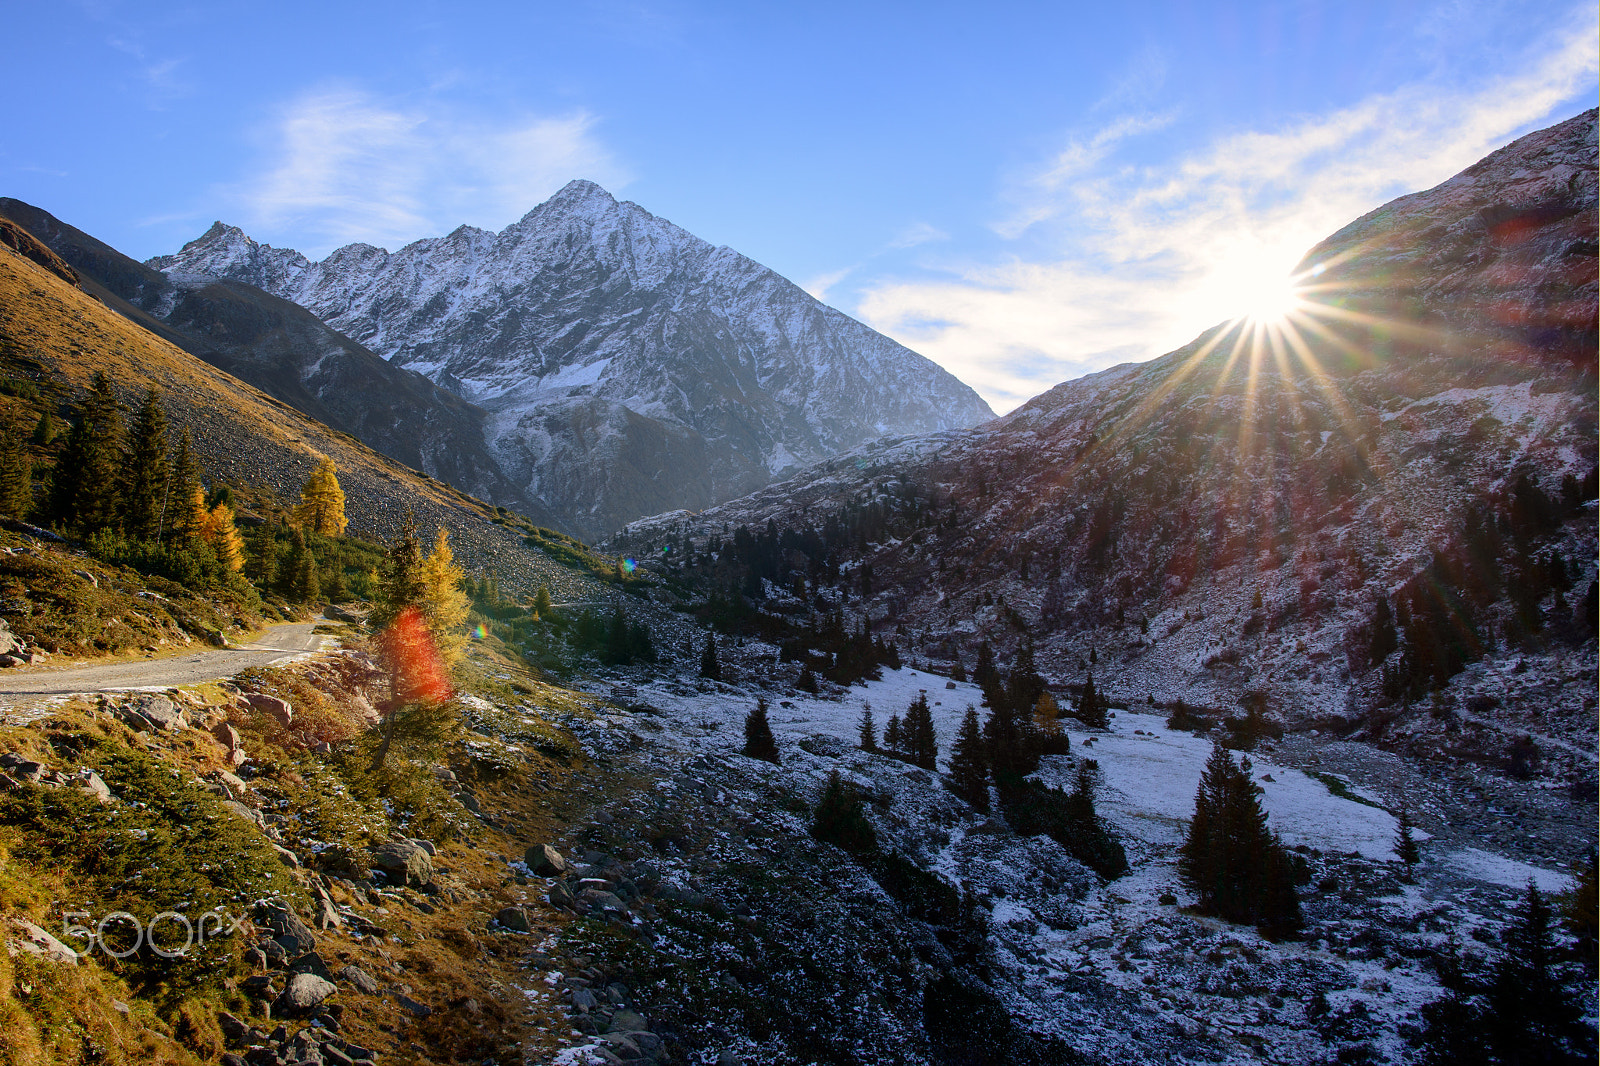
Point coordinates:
[[209, 665]]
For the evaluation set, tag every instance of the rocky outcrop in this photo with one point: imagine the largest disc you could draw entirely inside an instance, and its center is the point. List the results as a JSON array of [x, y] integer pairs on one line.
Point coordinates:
[[627, 366]]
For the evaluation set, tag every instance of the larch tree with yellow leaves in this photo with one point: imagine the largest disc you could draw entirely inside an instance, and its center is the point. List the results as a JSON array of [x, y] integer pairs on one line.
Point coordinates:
[[321, 508], [444, 605]]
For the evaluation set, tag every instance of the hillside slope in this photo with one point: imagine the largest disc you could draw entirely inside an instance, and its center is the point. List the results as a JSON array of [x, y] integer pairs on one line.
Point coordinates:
[[55, 334], [628, 366], [1229, 522]]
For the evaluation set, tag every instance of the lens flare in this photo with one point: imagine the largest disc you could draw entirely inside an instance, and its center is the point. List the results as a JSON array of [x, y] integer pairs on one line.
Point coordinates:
[[416, 669], [629, 565], [480, 631]]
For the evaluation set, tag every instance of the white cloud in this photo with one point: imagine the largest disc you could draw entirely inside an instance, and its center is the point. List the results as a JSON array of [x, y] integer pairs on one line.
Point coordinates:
[[345, 167], [1143, 259], [918, 233], [818, 286]]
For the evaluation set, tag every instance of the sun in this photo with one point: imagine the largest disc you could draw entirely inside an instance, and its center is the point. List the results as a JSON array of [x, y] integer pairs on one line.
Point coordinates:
[[1268, 301]]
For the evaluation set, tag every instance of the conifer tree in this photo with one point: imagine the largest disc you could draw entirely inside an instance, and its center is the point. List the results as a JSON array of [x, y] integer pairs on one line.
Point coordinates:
[[44, 430], [16, 474], [969, 777], [85, 497], [145, 470], [222, 536], [867, 732], [985, 674], [917, 735], [444, 605], [1405, 843], [1582, 914], [709, 666], [179, 516], [759, 742], [840, 818], [959, 674], [1092, 707], [1239, 868], [321, 508], [299, 572], [402, 584], [891, 734], [541, 602]]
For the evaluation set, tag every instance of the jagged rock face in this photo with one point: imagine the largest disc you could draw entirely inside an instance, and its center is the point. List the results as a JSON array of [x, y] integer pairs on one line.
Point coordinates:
[[287, 352], [1224, 520], [628, 366]]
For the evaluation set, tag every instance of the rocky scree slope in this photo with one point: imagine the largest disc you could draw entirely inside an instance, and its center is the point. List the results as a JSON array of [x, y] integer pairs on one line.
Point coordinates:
[[628, 367], [1222, 523], [290, 354]]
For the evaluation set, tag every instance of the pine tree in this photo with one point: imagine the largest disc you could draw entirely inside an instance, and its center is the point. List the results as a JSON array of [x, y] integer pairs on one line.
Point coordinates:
[[917, 735], [1582, 914], [891, 734], [44, 430], [1405, 843], [968, 776], [402, 584], [444, 605], [145, 470], [985, 674], [16, 474], [1239, 868], [709, 666], [179, 516], [321, 508], [959, 674], [840, 818], [299, 573], [867, 731], [85, 497], [1091, 707], [759, 742], [541, 602]]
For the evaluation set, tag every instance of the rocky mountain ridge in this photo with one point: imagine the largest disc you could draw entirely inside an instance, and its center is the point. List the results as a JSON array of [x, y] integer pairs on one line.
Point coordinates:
[[1220, 525], [627, 367]]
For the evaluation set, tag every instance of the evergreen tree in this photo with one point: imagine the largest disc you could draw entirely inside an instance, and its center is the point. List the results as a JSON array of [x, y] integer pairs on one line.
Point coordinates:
[[16, 474], [1239, 868], [402, 584], [1522, 1012], [759, 742], [1405, 843], [1582, 914], [1024, 686], [969, 777], [959, 674], [541, 602], [867, 731], [321, 508], [298, 576], [917, 735], [44, 430], [179, 516], [840, 818], [145, 470], [1092, 707], [1092, 843], [891, 734], [985, 674], [1384, 638], [444, 605], [85, 497], [709, 666]]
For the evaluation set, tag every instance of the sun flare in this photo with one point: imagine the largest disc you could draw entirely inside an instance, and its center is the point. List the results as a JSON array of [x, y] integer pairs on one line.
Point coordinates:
[[1268, 301]]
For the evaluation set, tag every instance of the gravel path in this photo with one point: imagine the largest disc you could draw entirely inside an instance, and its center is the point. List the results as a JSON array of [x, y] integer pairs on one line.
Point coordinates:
[[277, 642]]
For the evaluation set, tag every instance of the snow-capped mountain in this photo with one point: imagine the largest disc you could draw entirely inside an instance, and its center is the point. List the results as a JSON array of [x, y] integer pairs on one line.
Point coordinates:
[[627, 366]]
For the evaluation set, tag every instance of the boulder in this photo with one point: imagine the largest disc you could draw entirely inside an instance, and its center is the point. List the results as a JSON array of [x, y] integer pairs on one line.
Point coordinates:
[[418, 1010], [403, 863], [360, 980], [278, 709], [303, 992], [627, 1021], [227, 736], [311, 962], [9, 643], [23, 936], [291, 934], [513, 918], [546, 861], [248, 814], [91, 783], [152, 712]]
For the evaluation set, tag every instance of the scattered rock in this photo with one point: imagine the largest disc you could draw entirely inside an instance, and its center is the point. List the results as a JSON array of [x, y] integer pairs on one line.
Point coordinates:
[[303, 992], [152, 713], [403, 862], [546, 861], [311, 962], [247, 813], [418, 1010], [360, 980], [91, 783], [514, 918], [279, 709], [292, 935], [227, 736]]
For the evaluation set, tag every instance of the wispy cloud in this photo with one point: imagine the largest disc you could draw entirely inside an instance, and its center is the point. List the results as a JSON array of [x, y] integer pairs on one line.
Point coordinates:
[[820, 285], [1142, 259], [344, 166], [916, 234]]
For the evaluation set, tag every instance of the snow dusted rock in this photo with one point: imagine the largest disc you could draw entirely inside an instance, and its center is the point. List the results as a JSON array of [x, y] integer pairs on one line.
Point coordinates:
[[403, 862], [626, 366], [545, 861], [153, 712], [513, 918]]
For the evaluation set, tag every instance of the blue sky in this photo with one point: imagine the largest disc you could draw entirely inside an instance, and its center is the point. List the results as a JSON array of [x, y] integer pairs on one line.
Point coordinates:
[[1025, 192]]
